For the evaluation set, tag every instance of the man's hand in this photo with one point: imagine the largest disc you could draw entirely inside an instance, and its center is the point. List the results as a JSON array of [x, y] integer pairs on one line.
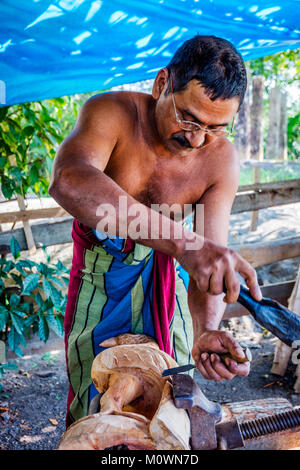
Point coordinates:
[[214, 266], [205, 353]]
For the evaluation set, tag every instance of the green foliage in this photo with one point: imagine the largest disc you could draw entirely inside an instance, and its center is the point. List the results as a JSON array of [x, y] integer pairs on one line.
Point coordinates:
[[293, 132], [282, 68], [32, 299]]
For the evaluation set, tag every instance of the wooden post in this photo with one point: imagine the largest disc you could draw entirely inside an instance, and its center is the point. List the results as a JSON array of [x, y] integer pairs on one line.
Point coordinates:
[[283, 155], [27, 229], [242, 129], [272, 147], [256, 118], [282, 351], [295, 299], [254, 214]]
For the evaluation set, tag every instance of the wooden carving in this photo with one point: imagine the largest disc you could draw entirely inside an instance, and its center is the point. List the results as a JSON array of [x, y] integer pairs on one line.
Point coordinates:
[[136, 407]]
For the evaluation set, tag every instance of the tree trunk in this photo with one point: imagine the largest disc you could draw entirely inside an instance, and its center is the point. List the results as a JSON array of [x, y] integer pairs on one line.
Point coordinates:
[[242, 129], [256, 118], [283, 155], [272, 147]]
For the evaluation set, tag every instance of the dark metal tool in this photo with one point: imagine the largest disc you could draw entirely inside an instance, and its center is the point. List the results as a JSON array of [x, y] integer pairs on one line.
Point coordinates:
[[208, 433], [279, 320], [203, 413], [177, 370]]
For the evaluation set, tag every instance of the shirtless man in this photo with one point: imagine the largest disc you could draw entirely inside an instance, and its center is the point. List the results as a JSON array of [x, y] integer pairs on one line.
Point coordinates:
[[140, 146]]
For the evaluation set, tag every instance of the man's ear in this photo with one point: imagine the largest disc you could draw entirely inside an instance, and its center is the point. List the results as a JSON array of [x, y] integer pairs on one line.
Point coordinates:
[[160, 83]]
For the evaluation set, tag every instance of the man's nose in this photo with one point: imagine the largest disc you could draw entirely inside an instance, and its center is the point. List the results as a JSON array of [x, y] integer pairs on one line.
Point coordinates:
[[196, 139]]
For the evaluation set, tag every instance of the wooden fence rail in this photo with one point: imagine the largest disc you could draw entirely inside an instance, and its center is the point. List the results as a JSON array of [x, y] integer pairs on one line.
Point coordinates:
[[248, 198]]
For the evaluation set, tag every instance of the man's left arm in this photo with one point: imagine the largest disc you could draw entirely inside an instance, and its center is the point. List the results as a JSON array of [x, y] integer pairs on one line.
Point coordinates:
[[207, 310]]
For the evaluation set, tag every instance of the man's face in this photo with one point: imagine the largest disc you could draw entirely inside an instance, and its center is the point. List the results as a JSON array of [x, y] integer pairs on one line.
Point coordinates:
[[192, 104]]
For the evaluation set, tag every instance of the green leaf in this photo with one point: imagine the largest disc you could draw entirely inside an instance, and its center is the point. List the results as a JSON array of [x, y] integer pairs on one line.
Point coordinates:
[[30, 283], [33, 175], [17, 323], [54, 324], [26, 263], [14, 300], [2, 161], [57, 282], [7, 189], [13, 340], [8, 266], [60, 325], [17, 279], [61, 267], [3, 112], [39, 300], [52, 292], [15, 247], [15, 173], [29, 321], [26, 307], [28, 131], [3, 319]]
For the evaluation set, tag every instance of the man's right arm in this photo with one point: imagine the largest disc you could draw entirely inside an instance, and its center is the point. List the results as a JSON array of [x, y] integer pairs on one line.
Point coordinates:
[[79, 184]]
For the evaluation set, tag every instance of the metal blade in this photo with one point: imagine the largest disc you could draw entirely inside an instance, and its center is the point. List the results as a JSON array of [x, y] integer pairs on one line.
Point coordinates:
[[177, 370]]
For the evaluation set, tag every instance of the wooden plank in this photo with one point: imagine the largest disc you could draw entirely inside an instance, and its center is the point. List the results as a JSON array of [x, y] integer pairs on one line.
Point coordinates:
[[279, 291], [252, 200], [45, 213], [259, 254], [44, 234]]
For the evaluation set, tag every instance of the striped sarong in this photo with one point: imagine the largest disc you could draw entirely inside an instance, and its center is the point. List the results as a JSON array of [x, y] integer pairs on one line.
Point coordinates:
[[117, 286]]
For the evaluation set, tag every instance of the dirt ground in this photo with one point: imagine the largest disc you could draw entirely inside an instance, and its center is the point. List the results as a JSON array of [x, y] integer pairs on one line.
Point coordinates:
[[33, 401]]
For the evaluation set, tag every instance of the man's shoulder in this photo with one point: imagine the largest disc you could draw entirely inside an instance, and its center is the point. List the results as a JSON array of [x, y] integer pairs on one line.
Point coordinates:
[[226, 149], [224, 162], [120, 103]]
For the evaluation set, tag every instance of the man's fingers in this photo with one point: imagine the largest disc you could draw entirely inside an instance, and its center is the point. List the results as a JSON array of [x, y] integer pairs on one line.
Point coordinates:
[[216, 284], [235, 368], [231, 345], [220, 368], [208, 368], [232, 285], [202, 370], [249, 274]]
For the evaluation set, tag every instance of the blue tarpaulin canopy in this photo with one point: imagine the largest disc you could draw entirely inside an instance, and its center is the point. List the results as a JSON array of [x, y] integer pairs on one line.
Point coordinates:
[[61, 47]]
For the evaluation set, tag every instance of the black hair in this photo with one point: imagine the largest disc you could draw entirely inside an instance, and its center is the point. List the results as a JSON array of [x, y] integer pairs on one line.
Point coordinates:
[[214, 62]]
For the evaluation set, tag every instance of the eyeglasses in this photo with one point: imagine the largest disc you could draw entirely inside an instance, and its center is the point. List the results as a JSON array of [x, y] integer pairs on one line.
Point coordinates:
[[191, 126]]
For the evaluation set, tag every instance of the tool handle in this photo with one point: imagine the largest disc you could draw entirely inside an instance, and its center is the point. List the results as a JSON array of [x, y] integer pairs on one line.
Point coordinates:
[[247, 356]]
